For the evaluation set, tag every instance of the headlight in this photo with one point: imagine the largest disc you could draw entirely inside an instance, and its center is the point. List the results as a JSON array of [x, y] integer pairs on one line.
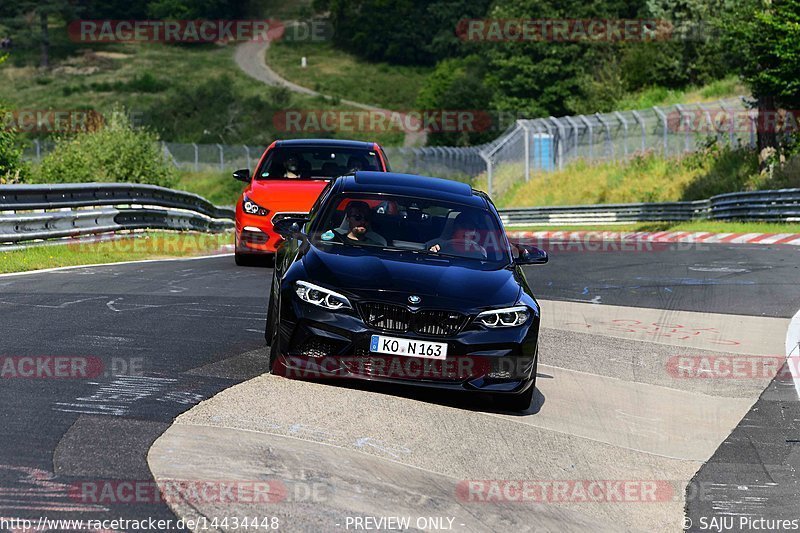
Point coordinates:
[[504, 318], [320, 296], [252, 208]]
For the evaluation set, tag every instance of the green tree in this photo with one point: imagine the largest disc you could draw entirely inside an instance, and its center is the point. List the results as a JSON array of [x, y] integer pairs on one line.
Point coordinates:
[[541, 78], [35, 16], [416, 32], [457, 84], [764, 39]]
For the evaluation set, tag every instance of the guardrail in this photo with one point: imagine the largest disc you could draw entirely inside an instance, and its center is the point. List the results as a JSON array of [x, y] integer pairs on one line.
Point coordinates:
[[769, 206], [39, 212]]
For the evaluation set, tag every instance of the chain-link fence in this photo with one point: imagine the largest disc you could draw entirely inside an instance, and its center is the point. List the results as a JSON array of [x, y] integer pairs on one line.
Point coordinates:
[[528, 147], [460, 163], [534, 146]]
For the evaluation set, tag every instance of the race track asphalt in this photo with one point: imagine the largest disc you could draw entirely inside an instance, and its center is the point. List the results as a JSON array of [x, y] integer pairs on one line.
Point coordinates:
[[146, 328]]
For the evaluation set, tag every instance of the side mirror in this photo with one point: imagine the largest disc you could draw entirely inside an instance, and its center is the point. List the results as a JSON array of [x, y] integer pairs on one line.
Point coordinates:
[[530, 255], [242, 175], [289, 227]]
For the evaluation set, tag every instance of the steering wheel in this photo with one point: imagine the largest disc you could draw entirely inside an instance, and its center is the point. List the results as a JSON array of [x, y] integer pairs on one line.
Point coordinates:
[[465, 247]]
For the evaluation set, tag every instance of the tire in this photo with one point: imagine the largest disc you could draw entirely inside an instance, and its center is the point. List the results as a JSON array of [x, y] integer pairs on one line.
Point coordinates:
[[515, 402], [241, 259], [274, 341], [246, 260]]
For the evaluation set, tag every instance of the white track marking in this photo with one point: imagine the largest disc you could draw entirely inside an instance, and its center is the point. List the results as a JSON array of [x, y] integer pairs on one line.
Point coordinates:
[[793, 350], [74, 267]]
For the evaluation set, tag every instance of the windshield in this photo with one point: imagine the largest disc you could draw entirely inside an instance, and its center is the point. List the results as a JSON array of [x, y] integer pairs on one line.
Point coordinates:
[[413, 224], [316, 162]]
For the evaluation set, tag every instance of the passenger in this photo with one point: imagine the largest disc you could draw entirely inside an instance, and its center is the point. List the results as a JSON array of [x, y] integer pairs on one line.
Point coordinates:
[[356, 163], [463, 240]]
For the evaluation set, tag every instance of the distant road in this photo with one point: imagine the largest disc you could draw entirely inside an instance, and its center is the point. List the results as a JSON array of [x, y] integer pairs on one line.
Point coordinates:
[[251, 58]]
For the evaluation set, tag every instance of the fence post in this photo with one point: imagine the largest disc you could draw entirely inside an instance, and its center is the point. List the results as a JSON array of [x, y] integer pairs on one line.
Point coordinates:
[[247, 155], [609, 145], [591, 135], [221, 158], [709, 120], [625, 130], [575, 128], [683, 116], [663, 119], [196, 157], [562, 138], [38, 150], [488, 162], [731, 133], [752, 114], [641, 123], [527, 148]]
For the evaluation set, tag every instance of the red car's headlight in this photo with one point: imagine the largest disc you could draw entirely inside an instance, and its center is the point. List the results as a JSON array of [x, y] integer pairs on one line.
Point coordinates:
[[252, 208]]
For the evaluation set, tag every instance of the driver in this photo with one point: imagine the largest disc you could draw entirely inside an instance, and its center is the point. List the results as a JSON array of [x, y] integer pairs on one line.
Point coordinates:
[[464, 239], [357, 227], [292, 164]]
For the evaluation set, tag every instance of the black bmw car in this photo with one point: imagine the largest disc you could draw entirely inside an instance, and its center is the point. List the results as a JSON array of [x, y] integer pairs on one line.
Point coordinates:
[[405, 279]]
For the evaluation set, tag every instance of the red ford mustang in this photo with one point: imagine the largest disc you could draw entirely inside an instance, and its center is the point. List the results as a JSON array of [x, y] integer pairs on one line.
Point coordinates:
[[287, 181]]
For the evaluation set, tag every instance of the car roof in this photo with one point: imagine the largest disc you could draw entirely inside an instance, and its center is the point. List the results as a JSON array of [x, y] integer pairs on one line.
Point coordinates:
[[411, 185], [326, 143]]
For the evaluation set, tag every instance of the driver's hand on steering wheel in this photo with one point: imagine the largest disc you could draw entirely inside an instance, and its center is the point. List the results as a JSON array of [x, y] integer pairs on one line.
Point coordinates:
[[435, 248]]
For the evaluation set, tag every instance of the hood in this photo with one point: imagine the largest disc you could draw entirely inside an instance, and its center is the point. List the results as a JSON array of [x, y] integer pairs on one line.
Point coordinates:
[[292, 194], [394, 276]]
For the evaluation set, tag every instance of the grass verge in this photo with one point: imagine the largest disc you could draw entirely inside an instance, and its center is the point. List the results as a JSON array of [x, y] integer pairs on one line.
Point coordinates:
[[662, 96], [336, 73], [139, 246], [219, 188], [643, 178]]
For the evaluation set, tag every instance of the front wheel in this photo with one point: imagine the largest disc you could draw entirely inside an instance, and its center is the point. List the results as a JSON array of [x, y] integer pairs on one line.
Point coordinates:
[[267, 260], [515, 402], [272, 335]]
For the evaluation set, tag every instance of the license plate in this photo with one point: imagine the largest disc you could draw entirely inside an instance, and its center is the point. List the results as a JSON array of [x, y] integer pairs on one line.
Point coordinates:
[[408, 347]]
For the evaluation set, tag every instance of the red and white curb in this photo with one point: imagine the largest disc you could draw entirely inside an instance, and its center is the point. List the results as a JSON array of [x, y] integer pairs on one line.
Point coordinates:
[[792, 239]]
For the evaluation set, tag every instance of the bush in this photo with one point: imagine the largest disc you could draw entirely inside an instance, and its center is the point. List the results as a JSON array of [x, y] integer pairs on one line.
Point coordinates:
[[12, 168], [114, 153]]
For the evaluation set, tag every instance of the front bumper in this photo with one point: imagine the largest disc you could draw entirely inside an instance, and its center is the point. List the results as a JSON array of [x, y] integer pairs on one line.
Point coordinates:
[[319, 344]]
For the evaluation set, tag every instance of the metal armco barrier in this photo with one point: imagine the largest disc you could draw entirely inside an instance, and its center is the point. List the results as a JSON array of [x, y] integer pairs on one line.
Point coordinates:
[[38, 212], [54, 196], [778, 206]]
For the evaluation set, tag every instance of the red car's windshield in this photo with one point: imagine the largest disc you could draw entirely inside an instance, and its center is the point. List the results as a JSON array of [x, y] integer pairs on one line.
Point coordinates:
[[316, 162]]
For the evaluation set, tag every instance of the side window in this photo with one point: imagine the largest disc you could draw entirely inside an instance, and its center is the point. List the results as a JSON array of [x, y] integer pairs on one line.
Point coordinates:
[[312, 215], [386, 160]]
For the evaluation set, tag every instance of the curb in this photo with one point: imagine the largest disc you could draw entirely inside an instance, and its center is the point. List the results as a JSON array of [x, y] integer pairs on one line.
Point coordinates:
[[792, 239]]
